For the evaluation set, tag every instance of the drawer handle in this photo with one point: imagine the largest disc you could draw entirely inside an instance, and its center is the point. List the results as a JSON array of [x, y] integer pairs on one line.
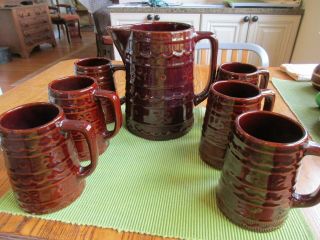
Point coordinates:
[[255, 19], [246, 19], [157, 17], [149, 17]]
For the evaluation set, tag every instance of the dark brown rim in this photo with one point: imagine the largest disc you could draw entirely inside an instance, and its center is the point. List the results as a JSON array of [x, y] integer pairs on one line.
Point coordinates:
[[246, 64], [263, 142], [78, 62], [93, 86], [215, 92], [7, 130]]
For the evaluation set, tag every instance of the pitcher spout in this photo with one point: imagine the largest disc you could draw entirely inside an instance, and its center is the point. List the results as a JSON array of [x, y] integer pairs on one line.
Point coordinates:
[[120, 36]]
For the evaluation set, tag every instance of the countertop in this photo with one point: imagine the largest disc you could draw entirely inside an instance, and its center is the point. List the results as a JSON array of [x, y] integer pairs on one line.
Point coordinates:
[[202, 8]]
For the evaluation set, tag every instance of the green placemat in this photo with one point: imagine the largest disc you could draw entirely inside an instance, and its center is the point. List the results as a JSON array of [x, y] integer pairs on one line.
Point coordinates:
[[159, 188], [300, 97]]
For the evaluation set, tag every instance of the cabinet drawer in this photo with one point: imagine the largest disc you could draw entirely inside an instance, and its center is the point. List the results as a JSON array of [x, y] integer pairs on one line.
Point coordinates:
[[23, 13], [41, 10], [33, 22], [31, 12], [38, 38], [36, 30]]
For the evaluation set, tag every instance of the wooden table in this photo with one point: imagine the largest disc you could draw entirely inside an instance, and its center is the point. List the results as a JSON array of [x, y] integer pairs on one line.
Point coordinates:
[[35, 89]]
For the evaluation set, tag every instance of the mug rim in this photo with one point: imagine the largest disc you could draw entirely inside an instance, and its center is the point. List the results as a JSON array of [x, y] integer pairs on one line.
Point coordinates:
[[215, 92], [77, 63], [249, 137], [59, 115], [246, 64], [91, 87]]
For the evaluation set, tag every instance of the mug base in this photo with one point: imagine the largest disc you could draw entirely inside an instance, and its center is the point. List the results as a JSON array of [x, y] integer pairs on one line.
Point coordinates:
[[60, 204], [246, 223], [211, 159]]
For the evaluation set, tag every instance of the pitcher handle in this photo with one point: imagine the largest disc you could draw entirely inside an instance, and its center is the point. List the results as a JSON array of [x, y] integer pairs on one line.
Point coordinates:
[[213, 65], [115, 101], [88, 132], [311, 199], [118, 67], [269, 99]]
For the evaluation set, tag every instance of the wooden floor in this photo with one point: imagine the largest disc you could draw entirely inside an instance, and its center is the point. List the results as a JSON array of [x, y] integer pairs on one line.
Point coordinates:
[[21, 69]]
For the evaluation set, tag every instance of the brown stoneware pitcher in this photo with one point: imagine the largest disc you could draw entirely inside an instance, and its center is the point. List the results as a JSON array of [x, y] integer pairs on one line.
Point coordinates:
[[227, 100], [41, 159], [102, 70], [257, 185], [81, 99], [159, 61], [244, 72]]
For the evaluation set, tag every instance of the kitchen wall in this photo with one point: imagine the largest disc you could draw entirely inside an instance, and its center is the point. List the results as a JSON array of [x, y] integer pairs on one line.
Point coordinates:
[[307, 48]]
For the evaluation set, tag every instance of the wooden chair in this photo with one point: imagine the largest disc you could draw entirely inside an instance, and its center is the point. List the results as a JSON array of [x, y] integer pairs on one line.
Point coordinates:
[[68, 19], [103, 40], [234, 52]]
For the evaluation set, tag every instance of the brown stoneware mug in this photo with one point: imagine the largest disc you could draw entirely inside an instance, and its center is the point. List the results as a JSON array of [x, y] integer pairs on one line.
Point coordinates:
[[41, 160], [80, 99], [257, 185], [227, 100], [244, 72], [102, 70]]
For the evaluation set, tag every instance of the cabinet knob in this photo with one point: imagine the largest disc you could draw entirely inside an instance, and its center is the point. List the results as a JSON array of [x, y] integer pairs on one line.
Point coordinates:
[[157, 17], [255, 19], [246, 19], [149, 17]]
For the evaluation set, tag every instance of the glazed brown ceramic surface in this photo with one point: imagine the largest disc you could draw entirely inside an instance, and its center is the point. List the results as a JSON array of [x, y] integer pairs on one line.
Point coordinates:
[[227, 100], [315, 79], [102, 70], [80, 99], [244, 72], [41, 160], [159, 61], [257, 186]]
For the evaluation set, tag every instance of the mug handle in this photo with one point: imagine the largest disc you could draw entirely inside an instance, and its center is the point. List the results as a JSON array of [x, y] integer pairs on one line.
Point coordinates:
[[198, 98], [311, 199], [118, 67], [269, 99], [88, 132], [264, 78], [114, 99]]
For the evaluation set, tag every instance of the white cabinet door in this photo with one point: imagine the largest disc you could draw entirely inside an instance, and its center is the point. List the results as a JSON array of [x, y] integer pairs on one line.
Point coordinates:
[[127, 18], [227, 27], [276, 34], [192, 19]]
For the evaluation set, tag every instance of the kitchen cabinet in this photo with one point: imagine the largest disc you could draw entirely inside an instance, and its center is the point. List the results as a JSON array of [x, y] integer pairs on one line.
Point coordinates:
[[275, 33]]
